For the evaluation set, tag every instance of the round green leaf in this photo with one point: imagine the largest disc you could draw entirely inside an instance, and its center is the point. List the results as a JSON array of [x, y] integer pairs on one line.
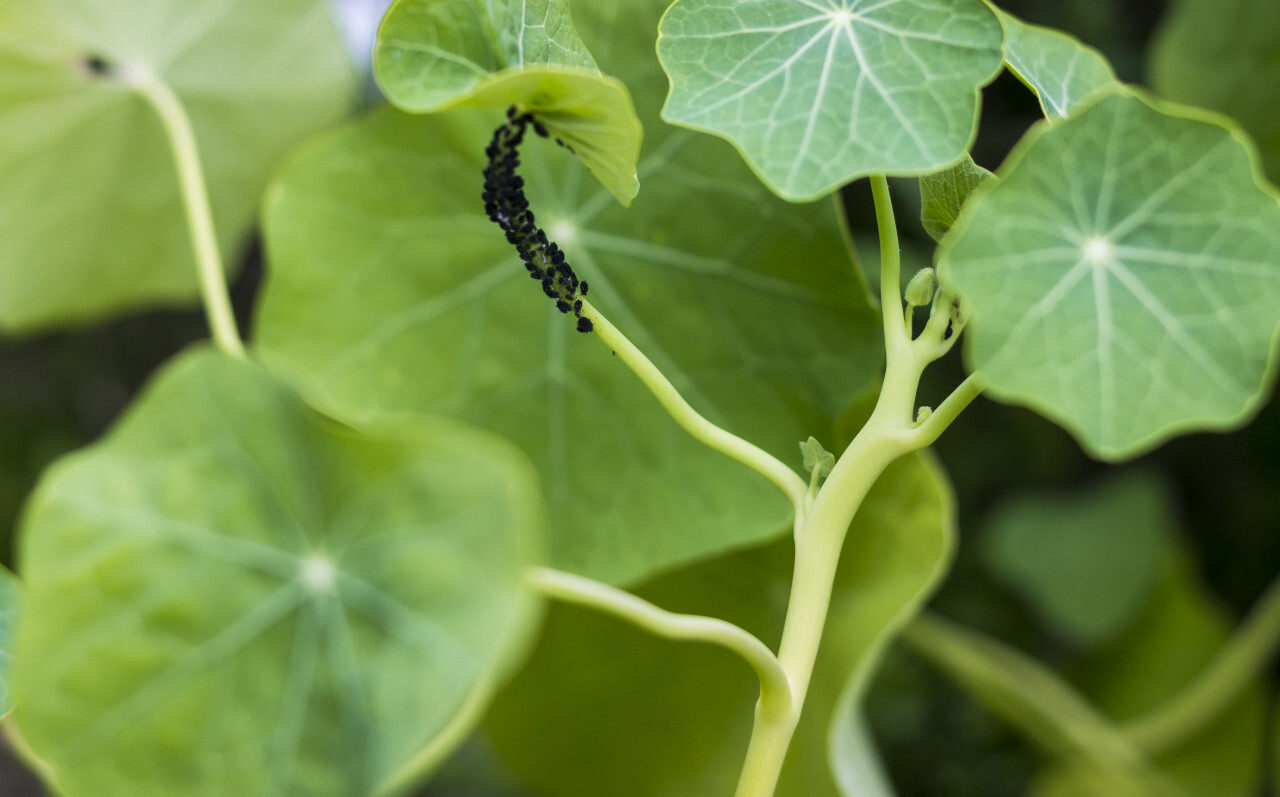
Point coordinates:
[[10, 605], [91, 220], [232, 594], [1221, 54], [1086, 562], [604, 708], [1056, 67], [432, 55], [1123, 276], [390, 291], [815, 93]]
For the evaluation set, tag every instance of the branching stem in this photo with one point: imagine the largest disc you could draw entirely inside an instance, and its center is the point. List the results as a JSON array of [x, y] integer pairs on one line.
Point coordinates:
[[195, 198], [775, 689], [822, 515]]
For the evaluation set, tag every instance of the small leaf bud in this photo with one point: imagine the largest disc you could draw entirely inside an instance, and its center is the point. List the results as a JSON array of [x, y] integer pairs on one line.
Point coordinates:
[[920, 289], [815, 456]]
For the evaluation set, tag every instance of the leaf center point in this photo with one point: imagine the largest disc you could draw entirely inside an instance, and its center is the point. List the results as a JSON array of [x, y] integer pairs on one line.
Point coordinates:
[[563, 231], [318, 574], [1099, 250], [842, 18]]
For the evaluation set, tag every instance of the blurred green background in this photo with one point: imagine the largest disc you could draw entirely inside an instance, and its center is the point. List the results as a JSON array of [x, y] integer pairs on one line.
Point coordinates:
[[1205, 504]]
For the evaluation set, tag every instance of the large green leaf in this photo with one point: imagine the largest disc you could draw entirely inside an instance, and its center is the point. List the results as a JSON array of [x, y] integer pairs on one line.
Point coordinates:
[[1056, 67], [234, 595], [602, 708], [433, 55], [1176, 634], [816, 93], [1123, 275], [10, 605], [1086, 562], [390, 291], [1221, 54], [91, 220]]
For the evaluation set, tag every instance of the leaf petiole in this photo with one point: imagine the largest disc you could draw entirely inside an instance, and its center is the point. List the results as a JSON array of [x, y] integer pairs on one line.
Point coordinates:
[[1036, 701], [195, 197], [1221, 681], [700, 428], [775, 689]]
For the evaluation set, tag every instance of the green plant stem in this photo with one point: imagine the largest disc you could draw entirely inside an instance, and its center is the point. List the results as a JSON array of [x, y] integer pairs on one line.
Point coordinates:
[[1034, 699], [891, 311], [195, 197], [820, 535], [819, 539], [775, 689], [946, 412], [700, 428], [1220, 682]]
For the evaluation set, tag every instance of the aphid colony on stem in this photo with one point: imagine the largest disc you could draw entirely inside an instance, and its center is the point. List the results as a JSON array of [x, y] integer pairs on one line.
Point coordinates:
[[507, 206]]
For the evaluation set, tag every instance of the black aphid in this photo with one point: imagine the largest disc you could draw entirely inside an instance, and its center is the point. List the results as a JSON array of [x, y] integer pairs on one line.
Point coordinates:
[[97, 65], [507, 206]]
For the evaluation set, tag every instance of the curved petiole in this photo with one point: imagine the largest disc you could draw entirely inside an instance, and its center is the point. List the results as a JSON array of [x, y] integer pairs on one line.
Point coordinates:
[[775, 687], [195, 198], [1229, 672], [700, 428], [1036, 701]]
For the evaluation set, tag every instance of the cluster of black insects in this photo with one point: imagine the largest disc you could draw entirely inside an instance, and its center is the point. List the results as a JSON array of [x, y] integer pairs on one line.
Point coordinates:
[[507, 206]]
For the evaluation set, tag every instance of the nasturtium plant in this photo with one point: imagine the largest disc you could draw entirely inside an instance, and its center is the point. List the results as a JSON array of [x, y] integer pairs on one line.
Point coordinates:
[[616, 497], [433, 55], [233, 589], [447, 322], [90, 194], [815, 94], [548, 724]]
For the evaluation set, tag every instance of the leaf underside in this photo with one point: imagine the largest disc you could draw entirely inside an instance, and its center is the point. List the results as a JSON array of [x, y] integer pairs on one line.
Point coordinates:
[[433, 55]]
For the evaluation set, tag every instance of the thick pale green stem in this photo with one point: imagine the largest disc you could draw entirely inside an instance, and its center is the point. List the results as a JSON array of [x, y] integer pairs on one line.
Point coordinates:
[[1240, 659], [186, 155], [895, 332], [700, 428], [819, 539], [820, 533], [775, 690]]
